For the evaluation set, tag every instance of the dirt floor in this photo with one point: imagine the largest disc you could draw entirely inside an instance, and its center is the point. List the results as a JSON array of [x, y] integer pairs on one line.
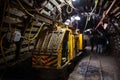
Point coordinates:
[[96, 67]]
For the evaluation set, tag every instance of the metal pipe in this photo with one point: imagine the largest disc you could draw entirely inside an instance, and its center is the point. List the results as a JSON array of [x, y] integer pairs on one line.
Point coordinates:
[[105, 13]]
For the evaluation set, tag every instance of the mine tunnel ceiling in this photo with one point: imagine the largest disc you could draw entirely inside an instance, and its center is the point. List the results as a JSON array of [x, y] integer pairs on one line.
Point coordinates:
[[62, 10], [83, 8]]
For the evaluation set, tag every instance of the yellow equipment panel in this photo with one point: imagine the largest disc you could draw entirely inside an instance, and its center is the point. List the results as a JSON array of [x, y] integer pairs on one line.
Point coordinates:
[[80, 42], [55, 41], [44, 61], [49, 49], [55, 49]]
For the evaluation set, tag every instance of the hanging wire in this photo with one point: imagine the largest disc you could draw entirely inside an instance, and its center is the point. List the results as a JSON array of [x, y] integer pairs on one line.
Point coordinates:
[[69, 11], [28, 38], [24, 8], [89, 16]]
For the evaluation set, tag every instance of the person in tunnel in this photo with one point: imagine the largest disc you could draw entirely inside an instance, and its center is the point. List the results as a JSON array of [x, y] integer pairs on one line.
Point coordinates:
[[93, 41], [100, 44], [105, 42]]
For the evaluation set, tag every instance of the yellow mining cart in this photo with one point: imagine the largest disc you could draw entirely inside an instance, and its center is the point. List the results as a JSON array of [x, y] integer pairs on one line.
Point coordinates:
[[56, 48]]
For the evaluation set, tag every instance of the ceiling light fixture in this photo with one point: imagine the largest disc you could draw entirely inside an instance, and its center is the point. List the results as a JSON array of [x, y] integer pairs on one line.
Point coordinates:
[[77, 18], [73, 0], [66, 23]]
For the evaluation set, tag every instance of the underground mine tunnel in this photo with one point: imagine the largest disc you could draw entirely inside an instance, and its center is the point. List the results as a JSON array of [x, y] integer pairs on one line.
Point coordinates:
[[59, 39]]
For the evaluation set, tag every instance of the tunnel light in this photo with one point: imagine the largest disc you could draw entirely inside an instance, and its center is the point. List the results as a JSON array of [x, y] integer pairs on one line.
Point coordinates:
[[73, 0], [77, 18], [67, 20], [105, 25], [66, 23], [72, 18], [62, 1]]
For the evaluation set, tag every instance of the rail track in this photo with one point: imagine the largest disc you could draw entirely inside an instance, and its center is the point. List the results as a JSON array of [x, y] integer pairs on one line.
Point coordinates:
[[93, 72]]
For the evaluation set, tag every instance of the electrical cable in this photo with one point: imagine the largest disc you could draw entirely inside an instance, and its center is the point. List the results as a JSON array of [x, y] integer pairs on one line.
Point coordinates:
[[29, 36], [72, 7], [96, 2], [70, 3], [3, 53], [24, 9], [89, 16], [67, 10], [35, 34], [1, 41]]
